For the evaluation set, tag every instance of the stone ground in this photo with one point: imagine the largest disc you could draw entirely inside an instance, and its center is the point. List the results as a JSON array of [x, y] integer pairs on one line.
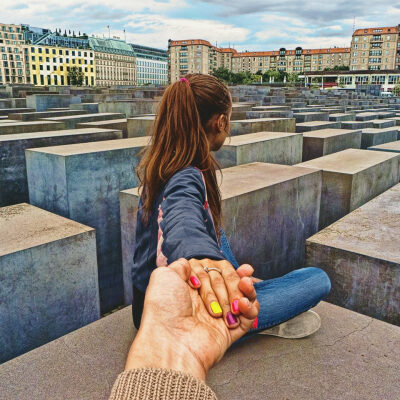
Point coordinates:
[[352, 356]]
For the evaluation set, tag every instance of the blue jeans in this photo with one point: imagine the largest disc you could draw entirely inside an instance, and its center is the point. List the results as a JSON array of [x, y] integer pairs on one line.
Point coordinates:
[[285, 297]]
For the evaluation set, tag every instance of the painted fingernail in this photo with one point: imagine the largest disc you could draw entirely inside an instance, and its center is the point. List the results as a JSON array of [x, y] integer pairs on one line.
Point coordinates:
[[194, 281], [215, 307], [255, 323], [231, 319], [235, 306]]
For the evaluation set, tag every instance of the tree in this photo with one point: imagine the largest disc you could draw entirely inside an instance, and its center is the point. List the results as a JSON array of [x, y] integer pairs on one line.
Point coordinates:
[[76, 76], [396, 89]]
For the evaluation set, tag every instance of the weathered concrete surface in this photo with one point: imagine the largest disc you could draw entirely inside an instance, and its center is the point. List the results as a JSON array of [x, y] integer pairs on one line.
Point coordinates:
[[347, 354], [140, 126], [130, 108], [42, 102], [34, 116], [7, 111], [372, 137], [91, 108], [271, 108], [367, 116], [311, 116], [272, 147], [316, 125], [268, 114], [13, 179], [352, 177], [120, 124], [71, 121], [341, 117], [32, 126], [48, 278], [82, 182], [361, 255], [383, 123], [356, 124], [327, 141], [269, 211], [241, 127], [391, 147]]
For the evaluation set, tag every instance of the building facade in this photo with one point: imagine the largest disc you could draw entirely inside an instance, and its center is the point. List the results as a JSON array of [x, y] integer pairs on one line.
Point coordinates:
[[199, 56], [115, 62], [375, 49], [151, 65], [51, 65], [14, 65]]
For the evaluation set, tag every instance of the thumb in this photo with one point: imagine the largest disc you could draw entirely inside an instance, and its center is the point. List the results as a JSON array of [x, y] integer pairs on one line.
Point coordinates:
[[182, 268]]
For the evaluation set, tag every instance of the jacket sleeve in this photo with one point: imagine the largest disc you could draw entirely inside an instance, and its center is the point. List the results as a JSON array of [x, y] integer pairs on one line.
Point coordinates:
[[183, 220], [159, 384]]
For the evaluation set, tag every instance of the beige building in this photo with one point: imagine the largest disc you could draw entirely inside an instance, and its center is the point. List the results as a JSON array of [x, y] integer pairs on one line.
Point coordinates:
[[375, 49], [13, 60], [196, 56], [199, 56]]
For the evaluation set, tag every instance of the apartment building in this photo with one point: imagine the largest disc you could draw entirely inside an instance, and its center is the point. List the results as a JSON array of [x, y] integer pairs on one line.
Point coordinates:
[[375, 49], [151, 65], [50, 65], [13, 62], [115, 62]]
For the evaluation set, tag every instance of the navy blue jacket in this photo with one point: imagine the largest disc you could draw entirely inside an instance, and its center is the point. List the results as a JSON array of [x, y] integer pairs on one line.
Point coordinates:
[[180, 225]]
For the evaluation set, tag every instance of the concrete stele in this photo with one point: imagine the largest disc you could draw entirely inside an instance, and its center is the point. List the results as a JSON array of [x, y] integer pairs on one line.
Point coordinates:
[[32, 126], [48, 278], [390, 147], [352, 177], [327, 141], [241, 127], [271, 147], [82, 182], [361, 255], [70, 122], [120, 124], [13, 178]]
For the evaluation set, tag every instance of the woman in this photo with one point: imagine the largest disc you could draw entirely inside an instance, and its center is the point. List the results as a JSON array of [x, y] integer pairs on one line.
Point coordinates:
[[180, 216]]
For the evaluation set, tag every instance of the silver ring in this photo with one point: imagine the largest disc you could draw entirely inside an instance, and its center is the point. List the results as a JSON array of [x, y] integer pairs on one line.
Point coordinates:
[[212, 269]]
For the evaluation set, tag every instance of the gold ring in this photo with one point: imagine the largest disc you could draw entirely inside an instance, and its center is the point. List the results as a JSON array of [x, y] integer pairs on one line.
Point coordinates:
[[212, 269]]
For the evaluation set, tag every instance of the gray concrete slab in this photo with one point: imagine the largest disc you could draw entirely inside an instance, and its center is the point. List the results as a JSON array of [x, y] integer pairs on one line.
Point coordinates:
[[347, 354], [35, 116], [352, 177], [70, 122], [140, 126], [273, 147], [48, 278], [130, 108], [91, 108], [383, 123], [120, 124], [241, 127], [341, 117], [82, 182], [356, 124], [6, 111], [361, 255], [31, 126], [372, 137], [311, 116], [277, 206], [42, 102], [391, 147], [327, 141], [316, 125], [13, 178], [367, 116]]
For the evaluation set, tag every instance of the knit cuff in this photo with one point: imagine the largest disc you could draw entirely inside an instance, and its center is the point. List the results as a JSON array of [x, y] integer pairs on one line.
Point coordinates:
[[159, 384]]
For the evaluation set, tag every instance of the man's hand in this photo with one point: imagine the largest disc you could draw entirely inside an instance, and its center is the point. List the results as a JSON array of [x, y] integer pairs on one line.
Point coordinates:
[[177, 332]]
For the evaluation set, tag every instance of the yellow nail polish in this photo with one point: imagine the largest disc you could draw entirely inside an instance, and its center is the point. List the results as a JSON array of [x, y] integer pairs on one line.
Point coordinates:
[[215, 307]]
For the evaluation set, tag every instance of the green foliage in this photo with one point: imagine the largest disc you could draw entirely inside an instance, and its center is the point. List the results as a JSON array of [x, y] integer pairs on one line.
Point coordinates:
[[338, 68], [396, 89], [76, 76]]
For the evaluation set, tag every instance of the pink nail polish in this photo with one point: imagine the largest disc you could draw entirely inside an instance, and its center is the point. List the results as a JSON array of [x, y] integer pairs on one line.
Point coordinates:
[[235, 306], [194, 281], [231, 319], [255, 323]]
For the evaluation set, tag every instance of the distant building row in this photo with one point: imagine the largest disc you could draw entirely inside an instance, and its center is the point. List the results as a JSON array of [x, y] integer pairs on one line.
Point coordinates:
[[41, 57], [371, 49]]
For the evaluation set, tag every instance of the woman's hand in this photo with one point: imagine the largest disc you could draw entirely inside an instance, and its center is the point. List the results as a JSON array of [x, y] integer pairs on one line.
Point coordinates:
[[219, 291]]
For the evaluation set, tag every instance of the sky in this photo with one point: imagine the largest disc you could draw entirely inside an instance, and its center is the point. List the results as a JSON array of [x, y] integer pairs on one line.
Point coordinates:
[[243, 24]]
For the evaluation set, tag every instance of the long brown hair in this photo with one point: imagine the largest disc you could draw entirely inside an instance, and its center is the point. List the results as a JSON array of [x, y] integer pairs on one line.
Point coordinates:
[[179, 139]]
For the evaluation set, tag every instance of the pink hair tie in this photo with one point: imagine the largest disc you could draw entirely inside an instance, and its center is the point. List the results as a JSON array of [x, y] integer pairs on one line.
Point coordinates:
[[184, 80]]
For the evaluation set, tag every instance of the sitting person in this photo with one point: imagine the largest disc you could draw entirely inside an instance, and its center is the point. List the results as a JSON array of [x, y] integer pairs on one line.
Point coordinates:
[[178, 341], [179, 216]]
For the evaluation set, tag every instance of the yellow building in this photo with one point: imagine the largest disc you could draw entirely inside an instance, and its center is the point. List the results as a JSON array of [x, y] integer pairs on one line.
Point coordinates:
[[50, 65], [12, 58]]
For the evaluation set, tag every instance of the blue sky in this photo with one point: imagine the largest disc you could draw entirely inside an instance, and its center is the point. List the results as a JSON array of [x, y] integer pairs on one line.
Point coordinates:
[[246, 24]]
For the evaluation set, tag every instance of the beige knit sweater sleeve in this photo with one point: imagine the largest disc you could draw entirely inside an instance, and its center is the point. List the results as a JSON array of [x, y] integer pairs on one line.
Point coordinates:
[[159, 384]]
